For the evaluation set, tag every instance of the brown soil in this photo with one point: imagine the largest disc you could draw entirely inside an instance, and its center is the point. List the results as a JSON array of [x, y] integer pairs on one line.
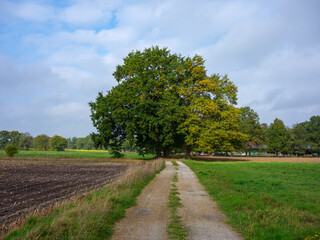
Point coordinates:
[[29, 185], [149, 219], [256, 159]]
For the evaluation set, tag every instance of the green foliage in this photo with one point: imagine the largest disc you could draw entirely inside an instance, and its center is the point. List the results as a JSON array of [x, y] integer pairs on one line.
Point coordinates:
[[27, 141], [277, 137], [211, 122], [13, 137], [265, 200], [313, 131], [249, 125], [11, 150], [297, 140], [164, 101], [80, 143], [4, 138], [58, 143], [16, 138], [41, 142]]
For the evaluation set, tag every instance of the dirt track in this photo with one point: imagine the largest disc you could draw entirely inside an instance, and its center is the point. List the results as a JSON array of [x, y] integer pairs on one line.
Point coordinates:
[[149, 219]]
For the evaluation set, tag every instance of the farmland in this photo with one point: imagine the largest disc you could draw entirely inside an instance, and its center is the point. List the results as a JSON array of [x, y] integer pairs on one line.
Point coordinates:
[[27, 185]]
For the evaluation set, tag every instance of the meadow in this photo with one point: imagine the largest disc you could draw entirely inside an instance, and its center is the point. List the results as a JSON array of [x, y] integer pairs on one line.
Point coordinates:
[[271, 200], [75, 154]]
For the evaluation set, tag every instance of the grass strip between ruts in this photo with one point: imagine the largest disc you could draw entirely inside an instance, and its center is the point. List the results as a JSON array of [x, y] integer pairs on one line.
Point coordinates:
[[176, 230], [90, 217], [174, 163]]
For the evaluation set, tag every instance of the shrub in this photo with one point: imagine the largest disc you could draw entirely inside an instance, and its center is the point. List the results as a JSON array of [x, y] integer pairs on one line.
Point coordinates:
[[11, 150]]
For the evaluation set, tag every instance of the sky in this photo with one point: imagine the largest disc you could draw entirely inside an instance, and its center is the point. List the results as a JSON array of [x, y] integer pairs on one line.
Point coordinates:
[[55, 56]]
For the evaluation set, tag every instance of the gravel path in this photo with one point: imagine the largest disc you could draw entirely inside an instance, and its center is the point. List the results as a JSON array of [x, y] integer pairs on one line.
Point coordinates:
[[149, 219]]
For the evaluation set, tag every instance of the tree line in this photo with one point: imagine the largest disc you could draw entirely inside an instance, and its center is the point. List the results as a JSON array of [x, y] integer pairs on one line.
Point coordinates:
[[24, 141], [166, 103], [300, 139]]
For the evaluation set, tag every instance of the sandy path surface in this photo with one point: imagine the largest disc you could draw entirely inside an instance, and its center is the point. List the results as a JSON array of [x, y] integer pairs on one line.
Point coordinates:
[[200, 214], [149, 219]]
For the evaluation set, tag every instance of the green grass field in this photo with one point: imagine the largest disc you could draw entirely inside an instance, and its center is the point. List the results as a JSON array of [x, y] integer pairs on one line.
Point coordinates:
[[265, 200], [75, 154]]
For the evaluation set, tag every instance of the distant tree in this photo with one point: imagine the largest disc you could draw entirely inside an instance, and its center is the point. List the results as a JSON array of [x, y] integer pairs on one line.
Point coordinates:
[[85, 143], [11, 150], [297, 141], [81, 143], [27, 141], [41, 142], [249, 125], [58, 143], [16, 138], [313, 133], [263, 137], [89, 143], [4, 139], [276, 134], [72, 143]]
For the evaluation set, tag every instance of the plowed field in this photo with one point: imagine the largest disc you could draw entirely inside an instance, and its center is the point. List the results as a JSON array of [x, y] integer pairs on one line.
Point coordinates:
[[28, 185]]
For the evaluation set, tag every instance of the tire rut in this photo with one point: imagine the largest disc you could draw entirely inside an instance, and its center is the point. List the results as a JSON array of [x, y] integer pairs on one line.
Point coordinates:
[[149, 219]]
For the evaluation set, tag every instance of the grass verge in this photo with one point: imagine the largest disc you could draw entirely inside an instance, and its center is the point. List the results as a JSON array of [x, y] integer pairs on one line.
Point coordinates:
[[91, 216], [265, 200], [175, 228]]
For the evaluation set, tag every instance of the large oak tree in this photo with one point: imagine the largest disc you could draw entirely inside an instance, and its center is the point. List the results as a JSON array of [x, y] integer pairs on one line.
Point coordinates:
[[164, 101]]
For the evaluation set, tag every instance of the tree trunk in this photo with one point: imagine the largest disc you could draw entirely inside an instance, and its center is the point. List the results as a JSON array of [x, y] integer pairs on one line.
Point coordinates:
[[166, 152], [188, 151], [158, 153]]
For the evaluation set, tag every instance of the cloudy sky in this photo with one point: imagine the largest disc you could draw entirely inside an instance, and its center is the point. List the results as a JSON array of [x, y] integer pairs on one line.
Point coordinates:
[[55, 56]]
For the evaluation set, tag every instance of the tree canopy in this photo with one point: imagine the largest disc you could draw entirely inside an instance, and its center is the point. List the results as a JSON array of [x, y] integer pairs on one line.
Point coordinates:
[[249, 125], [277, 137], [164, 101], [58, 143]]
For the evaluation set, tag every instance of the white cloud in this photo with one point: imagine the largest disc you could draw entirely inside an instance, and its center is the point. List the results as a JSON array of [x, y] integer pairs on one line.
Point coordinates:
[[85, 13], [67, 110], [31, 11], [271, 51]]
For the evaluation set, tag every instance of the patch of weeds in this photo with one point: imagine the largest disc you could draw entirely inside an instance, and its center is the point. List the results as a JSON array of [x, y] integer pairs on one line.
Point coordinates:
[[175, 228], [174, 163], [314, 237]]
